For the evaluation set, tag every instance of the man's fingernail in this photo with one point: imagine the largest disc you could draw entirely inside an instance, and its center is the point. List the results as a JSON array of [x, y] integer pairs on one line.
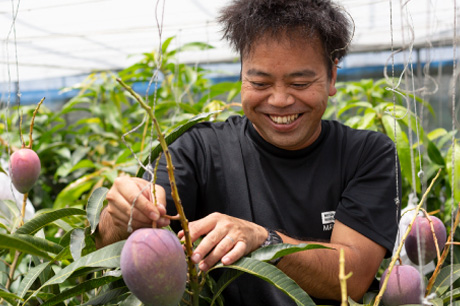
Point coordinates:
[[203, 266], [154, 216], [196, 258]]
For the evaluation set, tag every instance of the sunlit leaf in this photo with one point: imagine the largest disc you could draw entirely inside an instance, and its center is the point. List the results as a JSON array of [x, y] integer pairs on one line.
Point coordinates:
[[77, 242], [80, 288], [272, 275], [445, 279], [41, 220], [94, 207], [15, 243]]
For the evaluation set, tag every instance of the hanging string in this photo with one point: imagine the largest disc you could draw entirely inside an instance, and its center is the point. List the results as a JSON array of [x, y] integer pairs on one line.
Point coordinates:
[[454, 87]]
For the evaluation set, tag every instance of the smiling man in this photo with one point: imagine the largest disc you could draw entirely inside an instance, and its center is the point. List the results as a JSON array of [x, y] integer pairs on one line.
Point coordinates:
[[280, 173]]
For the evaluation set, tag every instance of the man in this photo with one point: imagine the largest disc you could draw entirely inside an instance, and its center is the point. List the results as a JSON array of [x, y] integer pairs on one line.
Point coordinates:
[[280, 173]]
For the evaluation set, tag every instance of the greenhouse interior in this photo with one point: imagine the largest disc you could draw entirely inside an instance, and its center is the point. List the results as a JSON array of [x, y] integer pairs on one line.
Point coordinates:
[[97, 90]]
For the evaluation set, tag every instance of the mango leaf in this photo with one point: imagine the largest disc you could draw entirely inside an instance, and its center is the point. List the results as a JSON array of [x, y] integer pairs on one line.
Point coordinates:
[[435, 155], [132, 300], [30, 278], [282, 249], [9, 297], [449, 160], [170, 138], [108, 296], [107, 257], [72, 192], [41, 220], [43, 244], [81, 288], [226, 279], [272, 275], [77, 242], [446, 296], [94, 207], [16, 243], [443, 281]]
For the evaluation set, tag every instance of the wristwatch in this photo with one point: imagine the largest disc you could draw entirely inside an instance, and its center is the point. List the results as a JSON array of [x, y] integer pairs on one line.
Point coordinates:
[[273, 238]]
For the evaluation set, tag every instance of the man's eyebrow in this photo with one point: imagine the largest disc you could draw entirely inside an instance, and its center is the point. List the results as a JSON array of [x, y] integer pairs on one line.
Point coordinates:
[[256, 72], [300, 73]]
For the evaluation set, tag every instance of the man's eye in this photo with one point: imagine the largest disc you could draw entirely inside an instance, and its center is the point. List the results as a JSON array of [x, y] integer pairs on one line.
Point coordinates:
[[300, 85], [258, 84]]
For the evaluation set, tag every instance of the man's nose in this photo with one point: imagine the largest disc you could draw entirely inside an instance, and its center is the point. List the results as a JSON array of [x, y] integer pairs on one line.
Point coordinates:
[[280, 97]]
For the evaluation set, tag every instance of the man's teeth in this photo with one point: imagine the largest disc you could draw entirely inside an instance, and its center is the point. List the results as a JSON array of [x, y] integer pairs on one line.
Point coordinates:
[[284, 119]]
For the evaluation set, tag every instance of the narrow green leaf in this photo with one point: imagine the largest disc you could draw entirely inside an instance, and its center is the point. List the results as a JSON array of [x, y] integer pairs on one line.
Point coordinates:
[[77, 242], [108, 296], [226, 279], [40, 221], [132, 300], [279, 250], [44, 244], [30, 278], [94, 207], [108, 257], [272, 275], [443, 281], [173, 136], [435, 155], [15, 243], [10, 297], [455, 186], [80, 288]]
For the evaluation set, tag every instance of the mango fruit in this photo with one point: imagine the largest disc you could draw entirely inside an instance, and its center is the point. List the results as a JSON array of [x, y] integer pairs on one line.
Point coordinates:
[[403, 286], [24, 168], [153, 266], [427, 244]]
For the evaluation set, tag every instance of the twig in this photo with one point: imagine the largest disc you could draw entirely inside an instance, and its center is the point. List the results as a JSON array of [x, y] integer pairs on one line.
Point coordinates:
[[32, 122], [435, 239], [343, 278], [194, 283], [444, 253], [401, 244]]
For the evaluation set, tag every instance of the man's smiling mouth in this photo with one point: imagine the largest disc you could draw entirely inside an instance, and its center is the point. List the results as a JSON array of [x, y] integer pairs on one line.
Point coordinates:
[[284, 119]]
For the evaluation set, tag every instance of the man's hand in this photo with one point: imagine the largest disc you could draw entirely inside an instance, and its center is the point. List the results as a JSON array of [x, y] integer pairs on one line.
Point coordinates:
[[113, 225], [225, 238]]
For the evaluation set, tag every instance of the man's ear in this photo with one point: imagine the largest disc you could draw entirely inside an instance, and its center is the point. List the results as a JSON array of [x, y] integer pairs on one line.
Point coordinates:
[[332, 89]]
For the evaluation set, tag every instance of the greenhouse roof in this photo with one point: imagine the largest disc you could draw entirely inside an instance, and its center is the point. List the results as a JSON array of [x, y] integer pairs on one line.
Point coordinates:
[[55, 38]]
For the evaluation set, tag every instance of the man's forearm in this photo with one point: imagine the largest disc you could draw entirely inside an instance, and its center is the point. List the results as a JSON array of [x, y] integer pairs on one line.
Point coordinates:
[[317, 271]]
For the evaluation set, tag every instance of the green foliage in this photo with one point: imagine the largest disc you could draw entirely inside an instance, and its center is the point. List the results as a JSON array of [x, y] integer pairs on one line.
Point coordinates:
[[102, 133]]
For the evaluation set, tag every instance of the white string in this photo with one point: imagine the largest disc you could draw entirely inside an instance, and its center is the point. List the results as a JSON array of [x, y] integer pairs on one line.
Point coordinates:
[[454, 72]]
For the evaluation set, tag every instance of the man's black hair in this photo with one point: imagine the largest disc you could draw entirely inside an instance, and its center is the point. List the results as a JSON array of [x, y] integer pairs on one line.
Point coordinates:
[[245, 21]]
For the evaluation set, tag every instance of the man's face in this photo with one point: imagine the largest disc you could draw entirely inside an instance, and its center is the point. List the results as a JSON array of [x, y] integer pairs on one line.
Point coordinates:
[[284, 92]]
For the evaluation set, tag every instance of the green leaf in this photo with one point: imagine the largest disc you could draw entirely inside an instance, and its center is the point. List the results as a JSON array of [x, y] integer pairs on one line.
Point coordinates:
[[41, 220], [226, 279], [132, 300], [107, 257], [172, 137], [456, 168], [15, 243], [9, 297], [443, 281], [77, 243], [44, 244], [282, 249], [272, 275], [81, 288], [107, 296], [30, 278], [435, 155], [94, 207]]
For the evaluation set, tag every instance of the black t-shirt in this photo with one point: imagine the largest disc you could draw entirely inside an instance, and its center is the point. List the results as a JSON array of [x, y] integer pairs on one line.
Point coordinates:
[[346, 174]]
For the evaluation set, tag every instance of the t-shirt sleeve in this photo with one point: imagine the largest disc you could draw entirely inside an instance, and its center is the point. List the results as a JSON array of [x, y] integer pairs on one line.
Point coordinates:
[[368, 203]]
